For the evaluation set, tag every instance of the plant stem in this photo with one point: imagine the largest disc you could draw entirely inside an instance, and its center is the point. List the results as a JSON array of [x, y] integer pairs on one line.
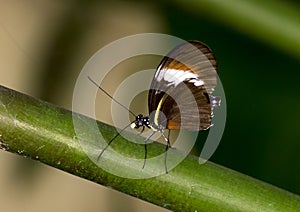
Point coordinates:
[[42, 131]]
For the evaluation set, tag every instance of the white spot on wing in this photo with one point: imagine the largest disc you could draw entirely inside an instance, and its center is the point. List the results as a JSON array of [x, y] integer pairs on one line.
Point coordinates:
[[197, 82], [176, 76]]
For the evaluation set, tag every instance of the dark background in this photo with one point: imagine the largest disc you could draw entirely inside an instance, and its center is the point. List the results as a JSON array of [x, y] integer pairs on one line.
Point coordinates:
[[258, 62]]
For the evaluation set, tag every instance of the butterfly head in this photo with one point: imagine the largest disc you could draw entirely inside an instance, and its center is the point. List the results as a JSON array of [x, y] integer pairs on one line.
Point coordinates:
[[140, 121]]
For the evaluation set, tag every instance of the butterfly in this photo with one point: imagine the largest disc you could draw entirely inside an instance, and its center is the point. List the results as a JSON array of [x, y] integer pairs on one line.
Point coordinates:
[[187, 74]]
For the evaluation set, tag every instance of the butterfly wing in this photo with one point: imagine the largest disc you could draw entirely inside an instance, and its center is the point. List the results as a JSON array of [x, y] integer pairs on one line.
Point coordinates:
[[187, 74]]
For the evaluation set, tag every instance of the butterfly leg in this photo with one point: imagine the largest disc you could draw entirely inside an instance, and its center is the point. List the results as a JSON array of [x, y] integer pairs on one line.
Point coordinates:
[[167, 139], [145, 145], [142, 130], [103, 150]]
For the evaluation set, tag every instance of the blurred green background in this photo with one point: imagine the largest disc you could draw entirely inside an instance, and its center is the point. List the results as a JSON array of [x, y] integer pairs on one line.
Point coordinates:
[[44, 45]]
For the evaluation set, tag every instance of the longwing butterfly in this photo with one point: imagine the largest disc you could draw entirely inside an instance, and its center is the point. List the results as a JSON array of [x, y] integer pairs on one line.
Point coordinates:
[[190, 68]]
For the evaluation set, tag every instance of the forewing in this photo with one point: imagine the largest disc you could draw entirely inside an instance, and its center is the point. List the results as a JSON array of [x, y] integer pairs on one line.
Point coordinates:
[[188, 75]]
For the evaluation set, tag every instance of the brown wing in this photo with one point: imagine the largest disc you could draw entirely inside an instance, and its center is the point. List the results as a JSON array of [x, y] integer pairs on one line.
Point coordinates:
[[188, 75]]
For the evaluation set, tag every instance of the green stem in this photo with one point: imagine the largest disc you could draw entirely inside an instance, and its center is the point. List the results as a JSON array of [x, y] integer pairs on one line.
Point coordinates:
[[45, 132]]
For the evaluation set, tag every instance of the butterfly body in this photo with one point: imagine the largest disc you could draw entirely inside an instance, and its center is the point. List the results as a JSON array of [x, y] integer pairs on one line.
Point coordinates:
[[141, 121], [145, 121]]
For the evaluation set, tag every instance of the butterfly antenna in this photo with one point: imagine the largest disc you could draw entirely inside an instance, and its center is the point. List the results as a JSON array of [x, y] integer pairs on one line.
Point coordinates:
[[103, 150], [98, 86]]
